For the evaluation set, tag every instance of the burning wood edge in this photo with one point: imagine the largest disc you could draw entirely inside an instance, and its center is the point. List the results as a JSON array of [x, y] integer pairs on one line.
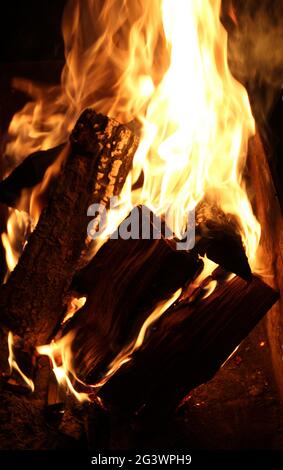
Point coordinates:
[[218, 237], [100, 157], [186, 347]]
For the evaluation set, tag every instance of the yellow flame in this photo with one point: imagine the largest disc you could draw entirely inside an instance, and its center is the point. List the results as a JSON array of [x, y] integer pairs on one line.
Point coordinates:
[[60, 352], [74, 305], [210, 288], [13, 363], [231, 355], [13, 240]]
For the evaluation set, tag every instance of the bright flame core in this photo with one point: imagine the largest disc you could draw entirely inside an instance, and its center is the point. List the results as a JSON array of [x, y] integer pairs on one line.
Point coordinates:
[[197, 124]]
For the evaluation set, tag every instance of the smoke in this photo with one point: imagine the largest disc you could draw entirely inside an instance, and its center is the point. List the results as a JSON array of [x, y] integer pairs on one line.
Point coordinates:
[[256, 49]]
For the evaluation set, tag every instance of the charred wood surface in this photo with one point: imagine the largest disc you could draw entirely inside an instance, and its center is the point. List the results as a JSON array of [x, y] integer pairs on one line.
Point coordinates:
[[218, 236], [187, 346], [99, 161]]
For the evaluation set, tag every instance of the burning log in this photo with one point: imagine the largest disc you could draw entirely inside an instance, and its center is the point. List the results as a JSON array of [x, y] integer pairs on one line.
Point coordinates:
[[99, 160], [142, 273], [186, 347]]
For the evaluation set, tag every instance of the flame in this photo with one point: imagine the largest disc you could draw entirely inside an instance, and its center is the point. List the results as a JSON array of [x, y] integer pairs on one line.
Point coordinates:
[[60, 354], [196, 123], [126, 354], [231, 355], [13, 363], [13, 240], [74, 305]]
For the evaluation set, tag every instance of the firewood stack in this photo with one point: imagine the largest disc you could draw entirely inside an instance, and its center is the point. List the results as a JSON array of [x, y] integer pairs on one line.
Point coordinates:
[[122, 283]]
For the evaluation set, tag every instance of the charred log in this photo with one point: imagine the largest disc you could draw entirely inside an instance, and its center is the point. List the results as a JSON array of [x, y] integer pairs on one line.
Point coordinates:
[[99, 160]]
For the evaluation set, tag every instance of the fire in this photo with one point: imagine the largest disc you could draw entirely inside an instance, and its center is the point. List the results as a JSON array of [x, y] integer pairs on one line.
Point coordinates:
[[60, 355], [163, 63], [59, 352], [13, 363], [74, 305], [197, 124], [13, 240]]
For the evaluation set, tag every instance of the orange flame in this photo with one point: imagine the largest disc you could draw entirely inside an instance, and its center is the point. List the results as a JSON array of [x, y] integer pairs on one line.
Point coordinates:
[[74, 305], [60, 355], [13, 240], [13, 363]]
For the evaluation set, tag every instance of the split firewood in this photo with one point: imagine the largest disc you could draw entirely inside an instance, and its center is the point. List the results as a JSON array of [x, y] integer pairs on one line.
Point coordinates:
[[100, 157], [141, 274], [186, 347]]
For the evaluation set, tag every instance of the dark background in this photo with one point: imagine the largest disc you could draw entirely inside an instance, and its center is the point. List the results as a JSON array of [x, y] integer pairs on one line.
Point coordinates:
[[30, 30]]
